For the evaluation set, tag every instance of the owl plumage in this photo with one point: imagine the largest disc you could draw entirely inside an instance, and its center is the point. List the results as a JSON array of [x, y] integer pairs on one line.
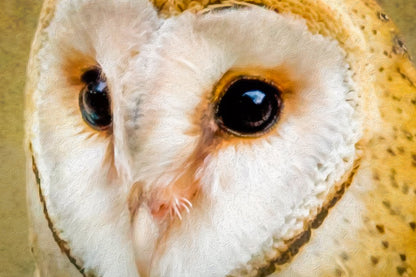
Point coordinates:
[[169, 189]]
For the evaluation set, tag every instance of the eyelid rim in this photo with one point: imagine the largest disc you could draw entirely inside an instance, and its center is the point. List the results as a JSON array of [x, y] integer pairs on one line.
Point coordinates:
[[100, 74]]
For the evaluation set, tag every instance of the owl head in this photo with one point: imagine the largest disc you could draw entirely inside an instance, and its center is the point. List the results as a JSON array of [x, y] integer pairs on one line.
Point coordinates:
[[199, 138]]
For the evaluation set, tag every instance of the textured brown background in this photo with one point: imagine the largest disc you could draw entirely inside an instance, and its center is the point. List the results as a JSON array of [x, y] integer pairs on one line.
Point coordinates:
[[18, 20]]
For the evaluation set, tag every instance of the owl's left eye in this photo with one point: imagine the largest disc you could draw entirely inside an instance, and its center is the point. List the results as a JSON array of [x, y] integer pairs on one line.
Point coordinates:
[[94, 100], [249, 107]]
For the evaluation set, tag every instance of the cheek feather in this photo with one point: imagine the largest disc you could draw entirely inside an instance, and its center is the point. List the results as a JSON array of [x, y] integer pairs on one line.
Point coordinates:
[[168, 200]]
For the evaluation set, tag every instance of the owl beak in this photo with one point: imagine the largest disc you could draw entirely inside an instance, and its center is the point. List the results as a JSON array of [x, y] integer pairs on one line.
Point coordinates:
[[164, 203], [168, 203]]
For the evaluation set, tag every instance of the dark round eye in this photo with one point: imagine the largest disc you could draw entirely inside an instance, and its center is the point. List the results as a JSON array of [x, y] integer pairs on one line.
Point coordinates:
[[249, 107], [94, 100]]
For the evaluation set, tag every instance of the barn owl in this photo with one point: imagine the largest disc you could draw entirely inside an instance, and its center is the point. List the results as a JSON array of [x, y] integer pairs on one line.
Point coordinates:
[[220, 138]]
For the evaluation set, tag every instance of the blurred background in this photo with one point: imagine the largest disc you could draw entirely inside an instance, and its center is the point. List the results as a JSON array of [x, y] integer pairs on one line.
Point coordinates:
[[18, 19]]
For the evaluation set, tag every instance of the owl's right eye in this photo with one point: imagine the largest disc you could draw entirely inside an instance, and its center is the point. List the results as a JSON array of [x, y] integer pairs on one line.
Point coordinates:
[[94, 100]]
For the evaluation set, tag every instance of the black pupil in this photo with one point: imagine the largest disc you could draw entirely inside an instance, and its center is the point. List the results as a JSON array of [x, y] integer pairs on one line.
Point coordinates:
[[248, 107], [94, 100]]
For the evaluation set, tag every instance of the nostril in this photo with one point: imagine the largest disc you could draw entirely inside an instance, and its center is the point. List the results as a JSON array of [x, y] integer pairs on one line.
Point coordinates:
[[161, 211]]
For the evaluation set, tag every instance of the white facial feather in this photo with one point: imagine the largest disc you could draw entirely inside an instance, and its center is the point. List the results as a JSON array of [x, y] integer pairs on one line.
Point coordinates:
[[253, 193], [351, 210], [89, 204], [250, 190]]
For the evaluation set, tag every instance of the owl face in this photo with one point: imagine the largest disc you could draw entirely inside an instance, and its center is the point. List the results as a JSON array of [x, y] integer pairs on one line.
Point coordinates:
[[205, 144]]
